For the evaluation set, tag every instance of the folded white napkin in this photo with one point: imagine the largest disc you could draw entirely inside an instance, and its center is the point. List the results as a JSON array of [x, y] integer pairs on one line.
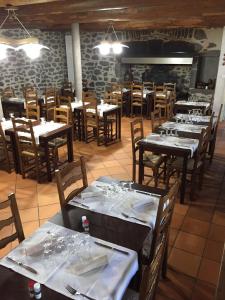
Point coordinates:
[[82, 267], [85, 195], [142, 203]]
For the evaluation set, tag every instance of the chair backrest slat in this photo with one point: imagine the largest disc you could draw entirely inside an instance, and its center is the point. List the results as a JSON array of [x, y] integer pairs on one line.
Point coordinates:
[[69, 175], [14, 219]]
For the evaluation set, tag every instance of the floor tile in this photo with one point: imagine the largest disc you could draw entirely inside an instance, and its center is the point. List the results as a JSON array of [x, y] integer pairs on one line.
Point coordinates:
[[209, 271], [217, 233], [219, 218], [181, 209], [30, 214], [172, 236], [177, 221], [190, 243], [194, 226], [177, 286], [200, 213], [203, 291], [47, 211], [213, 250], [184, 262]]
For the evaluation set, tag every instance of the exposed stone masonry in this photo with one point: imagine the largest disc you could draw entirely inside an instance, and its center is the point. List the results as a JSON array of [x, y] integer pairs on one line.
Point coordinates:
[[49, 69]]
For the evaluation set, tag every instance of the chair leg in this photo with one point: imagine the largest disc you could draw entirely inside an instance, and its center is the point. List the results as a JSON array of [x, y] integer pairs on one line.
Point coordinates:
[[201, 175], [155, 175], [134, 171], [164, 262], [193, 184]]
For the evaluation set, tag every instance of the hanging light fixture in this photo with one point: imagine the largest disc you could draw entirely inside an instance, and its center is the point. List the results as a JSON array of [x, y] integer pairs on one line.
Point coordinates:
[[30, 45], [108, 44]]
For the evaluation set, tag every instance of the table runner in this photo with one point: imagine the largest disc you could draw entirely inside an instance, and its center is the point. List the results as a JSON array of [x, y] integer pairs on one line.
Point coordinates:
[[70, 251], [113, 200], [183, 127], [172, 141]]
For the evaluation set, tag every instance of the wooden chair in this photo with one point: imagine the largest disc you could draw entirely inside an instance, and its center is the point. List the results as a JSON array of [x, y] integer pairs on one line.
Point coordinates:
[[67, 89], [151, 160], [31, 155], [93, 125], [212, 142], [160, 89], [8, 92], [156, 119], [33, 112], [195, 165], [61, 115], [50, 102], [14, 219], [69, 175], [4, 150], [88, 95], [158, 254], [31, 96], [148, 85], [161, 102], [171, 90], [136, 98]]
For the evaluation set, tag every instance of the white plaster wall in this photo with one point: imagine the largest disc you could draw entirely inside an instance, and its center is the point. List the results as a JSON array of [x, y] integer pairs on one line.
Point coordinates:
[[219, 97], [69, 59], [1, 112]]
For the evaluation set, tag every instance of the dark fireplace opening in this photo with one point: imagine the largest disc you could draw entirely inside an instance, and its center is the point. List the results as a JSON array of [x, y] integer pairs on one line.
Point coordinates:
[[179, 74]]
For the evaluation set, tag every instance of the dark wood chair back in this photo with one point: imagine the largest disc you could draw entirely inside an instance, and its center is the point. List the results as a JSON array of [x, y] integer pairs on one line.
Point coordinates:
[[50, 97], [148, 85], [88, 95], [26, 143], [31, 96], [170, 86], [156, 119], [159, 244], [137, 133], [69, 175], [14, 219], [33, 112], [4, 154], [62, 115], [8, 92]]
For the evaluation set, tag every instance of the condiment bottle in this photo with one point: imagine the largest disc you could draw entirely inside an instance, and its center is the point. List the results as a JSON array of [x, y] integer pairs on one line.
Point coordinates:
[[85, 224], [37, 291]]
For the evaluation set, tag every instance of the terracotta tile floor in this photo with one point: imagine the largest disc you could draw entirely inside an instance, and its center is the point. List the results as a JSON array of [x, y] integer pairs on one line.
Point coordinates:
[[197, 230]]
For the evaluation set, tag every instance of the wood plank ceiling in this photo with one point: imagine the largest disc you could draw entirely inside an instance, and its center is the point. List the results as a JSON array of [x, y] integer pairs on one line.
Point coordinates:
[[125, 14]]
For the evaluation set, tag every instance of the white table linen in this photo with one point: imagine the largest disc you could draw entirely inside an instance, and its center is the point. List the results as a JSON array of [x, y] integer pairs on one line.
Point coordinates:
[[195, 118], [183, 127], [113, 201], [56, 270], [43, 128], [172, 141], [193, 103]]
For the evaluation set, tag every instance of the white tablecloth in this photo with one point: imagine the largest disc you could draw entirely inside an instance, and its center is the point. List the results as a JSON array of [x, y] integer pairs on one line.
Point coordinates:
[[44, 128], [172, 141], [193, 103], [195, 118], [183, 127], [70, 250], [109, 199]]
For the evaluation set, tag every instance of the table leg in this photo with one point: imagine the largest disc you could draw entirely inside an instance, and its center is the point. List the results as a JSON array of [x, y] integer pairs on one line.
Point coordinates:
[[48, 164], [70, 144], [15, 153], [183, 181], [119, 125], [105, 128], [141, 166]]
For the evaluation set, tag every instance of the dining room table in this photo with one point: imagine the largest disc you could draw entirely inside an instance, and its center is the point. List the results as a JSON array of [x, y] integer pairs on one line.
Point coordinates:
[[184, 106], [171, 145], [105, 111], [44, 132], [100, 264]]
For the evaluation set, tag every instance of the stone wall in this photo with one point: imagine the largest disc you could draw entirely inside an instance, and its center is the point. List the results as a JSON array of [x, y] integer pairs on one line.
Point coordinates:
[[100, 71], [49, 69]]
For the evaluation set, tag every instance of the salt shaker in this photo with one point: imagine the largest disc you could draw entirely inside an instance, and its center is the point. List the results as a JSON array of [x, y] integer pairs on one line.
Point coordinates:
[[85, 224], [37, 291]]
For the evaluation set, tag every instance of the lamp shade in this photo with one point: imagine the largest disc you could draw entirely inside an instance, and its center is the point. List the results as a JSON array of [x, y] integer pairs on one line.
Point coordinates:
[[32, 50]]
